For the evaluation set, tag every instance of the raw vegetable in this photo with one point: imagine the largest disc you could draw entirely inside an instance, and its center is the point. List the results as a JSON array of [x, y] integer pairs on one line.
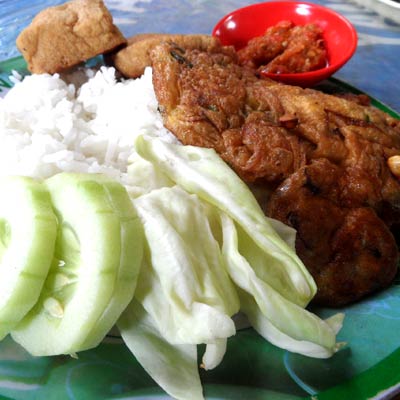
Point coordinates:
[[72, 311], [184, 295], [202, 171], [280, 321], [27, 235], [207, 245], [173, 367], [204, 227], [263, 266], [184, 285], [130, 261]]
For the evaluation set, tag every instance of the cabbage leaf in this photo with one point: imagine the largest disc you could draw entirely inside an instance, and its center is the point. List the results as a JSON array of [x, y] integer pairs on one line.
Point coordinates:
[[258, 251], [184, 284], [203, 172], [173, 367], [277, 319], [211, 251]]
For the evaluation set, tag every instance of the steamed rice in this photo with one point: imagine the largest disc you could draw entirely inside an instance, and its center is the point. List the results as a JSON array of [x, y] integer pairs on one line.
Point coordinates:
[[48, 125]]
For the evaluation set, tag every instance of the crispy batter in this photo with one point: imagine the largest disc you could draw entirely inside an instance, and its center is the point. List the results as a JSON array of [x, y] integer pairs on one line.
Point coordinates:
[[135, 57], [204, 98], [277, 136], [349, 251], [63, 36]]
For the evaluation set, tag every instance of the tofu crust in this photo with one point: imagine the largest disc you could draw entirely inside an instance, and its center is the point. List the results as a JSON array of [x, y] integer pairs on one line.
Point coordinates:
[[135, 57], [63, 36]]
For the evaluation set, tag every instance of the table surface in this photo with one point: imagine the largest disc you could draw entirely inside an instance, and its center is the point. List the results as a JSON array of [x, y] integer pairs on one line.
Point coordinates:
[[374, 69]]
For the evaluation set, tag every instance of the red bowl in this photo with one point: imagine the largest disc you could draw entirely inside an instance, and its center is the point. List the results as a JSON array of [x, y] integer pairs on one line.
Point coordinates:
[[340, 36]]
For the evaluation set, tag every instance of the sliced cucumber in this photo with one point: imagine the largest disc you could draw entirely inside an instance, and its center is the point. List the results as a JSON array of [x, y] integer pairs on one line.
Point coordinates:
[[27, 235], [130, 261], [81, 281]]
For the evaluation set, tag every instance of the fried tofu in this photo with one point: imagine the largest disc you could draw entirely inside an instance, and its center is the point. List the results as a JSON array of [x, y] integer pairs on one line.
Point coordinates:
[[63, 36], [135, 57]]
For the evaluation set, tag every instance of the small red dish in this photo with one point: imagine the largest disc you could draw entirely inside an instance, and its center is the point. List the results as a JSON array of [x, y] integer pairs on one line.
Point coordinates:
[[340, 36]]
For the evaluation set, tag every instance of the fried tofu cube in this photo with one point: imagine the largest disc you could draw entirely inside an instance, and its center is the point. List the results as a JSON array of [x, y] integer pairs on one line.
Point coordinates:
[[66, 35]]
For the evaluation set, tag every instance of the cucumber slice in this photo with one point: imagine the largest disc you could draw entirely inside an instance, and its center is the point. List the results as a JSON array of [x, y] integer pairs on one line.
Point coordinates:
[[27, 235], [81, 280], [132, 237]]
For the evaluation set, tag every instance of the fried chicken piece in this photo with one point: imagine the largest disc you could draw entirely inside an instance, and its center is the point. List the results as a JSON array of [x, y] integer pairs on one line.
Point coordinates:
[[349, 251], [135, 57], [276, 135], [66, 35]]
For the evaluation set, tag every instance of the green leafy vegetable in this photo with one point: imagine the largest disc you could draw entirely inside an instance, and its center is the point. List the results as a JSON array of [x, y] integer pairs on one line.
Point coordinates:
[[184, 285], [280, 321], [204, 230], [173, 367], [202, 171], [262, 264]]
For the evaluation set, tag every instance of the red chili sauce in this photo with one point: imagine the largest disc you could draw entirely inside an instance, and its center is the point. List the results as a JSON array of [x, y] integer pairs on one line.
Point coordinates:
[[286, 48]]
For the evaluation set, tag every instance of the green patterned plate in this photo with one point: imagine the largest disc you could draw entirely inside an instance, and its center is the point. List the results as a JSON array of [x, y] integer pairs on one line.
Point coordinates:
[[367, 368]]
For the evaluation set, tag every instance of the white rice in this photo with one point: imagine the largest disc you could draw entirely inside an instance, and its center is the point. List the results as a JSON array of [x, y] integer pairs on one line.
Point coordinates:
[[48, 125]]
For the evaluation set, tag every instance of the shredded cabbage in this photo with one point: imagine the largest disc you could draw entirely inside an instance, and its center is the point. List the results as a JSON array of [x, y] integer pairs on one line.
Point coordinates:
[[210, 252]]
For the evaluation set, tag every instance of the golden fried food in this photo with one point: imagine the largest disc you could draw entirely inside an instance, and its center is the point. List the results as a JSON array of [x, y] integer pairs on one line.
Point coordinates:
[[349, 251], [63, 36], [278, 136], [134, 58], [203, 99]]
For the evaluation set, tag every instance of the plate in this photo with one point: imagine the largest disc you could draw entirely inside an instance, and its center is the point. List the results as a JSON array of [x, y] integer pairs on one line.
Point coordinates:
[[367, 368]]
